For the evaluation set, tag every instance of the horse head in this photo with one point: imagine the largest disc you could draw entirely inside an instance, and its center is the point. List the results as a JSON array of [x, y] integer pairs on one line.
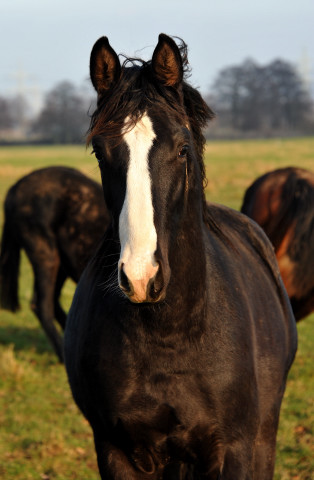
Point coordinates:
[[146, 136]]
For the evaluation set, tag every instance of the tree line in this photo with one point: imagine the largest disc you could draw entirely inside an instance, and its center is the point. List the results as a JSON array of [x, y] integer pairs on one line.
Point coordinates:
[[63, 119], [249, 99], [262, 100]]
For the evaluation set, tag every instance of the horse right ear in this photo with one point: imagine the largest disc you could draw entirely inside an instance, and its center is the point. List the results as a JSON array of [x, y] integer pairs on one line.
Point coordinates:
[[105, 67]]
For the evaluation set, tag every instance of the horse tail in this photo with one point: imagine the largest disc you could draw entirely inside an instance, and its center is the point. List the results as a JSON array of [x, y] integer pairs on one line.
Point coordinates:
[[9, 259]]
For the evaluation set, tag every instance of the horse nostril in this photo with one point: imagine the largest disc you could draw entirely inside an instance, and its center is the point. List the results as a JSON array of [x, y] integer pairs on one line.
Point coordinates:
[[155, 286], [124, 281]]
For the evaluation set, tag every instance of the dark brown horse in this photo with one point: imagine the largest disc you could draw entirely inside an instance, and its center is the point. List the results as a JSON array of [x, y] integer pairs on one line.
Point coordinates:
[[57, 215], [282, 202], [181, 334]]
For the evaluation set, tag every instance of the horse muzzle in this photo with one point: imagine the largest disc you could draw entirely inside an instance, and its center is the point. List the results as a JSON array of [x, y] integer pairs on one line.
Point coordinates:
[[146, 288]]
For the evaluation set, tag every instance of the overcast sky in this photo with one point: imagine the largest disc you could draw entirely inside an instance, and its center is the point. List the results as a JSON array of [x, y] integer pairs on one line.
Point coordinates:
[[47, 41]]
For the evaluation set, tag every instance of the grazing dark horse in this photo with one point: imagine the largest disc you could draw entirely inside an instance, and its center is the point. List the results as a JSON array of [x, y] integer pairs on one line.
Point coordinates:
[[282, 203], [57, 215], [180, 335]]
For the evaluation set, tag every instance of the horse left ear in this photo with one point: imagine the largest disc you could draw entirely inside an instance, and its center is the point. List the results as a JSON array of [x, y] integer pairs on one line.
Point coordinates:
[[105, 66], [167, 62]]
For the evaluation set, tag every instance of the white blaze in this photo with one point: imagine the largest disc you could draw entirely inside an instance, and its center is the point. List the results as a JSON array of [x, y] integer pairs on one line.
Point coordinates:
[[137, 231]]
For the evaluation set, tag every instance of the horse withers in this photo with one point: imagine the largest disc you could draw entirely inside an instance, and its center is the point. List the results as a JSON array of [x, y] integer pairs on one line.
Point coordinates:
[[57, 215], [282, 203], [180, 335]]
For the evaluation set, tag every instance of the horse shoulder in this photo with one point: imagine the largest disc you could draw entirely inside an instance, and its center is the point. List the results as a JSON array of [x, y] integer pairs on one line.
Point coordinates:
[[243, 260]]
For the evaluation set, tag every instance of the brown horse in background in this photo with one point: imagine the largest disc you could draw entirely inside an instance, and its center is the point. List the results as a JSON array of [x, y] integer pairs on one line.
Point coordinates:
[[282, 202], [57, 215]]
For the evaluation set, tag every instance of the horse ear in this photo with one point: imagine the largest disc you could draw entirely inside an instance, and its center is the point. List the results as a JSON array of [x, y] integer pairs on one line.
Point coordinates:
[[167, 62], [105, 67]]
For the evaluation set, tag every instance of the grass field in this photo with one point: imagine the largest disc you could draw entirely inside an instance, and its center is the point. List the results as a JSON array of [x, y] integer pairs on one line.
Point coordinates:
[[42, 434]]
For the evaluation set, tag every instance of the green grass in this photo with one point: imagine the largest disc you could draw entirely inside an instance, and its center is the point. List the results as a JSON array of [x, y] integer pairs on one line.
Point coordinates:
[[42, 434], [233, 165]]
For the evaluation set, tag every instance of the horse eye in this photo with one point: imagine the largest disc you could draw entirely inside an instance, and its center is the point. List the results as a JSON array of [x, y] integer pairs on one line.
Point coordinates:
[[183, 151], [97, 155]]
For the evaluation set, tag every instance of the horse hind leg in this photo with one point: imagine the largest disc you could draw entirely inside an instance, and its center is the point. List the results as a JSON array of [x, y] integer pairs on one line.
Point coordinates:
[[60, 314], [46, 264]]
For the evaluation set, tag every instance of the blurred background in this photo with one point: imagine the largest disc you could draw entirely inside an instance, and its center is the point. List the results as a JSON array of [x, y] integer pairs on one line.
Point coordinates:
[[252, 61], [254, 64]]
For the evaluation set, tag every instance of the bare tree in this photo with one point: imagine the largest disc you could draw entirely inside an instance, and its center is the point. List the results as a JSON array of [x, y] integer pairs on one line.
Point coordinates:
[[64, 118], [249, 97], [6, 120], [287, 103]]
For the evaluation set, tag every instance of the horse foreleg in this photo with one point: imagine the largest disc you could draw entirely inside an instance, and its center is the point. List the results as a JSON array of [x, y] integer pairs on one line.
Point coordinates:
[[265, 450], [113, 464], [243, 464]]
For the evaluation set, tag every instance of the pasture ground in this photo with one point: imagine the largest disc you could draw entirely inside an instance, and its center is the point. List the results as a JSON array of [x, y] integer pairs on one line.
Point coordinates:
[[42, 434]]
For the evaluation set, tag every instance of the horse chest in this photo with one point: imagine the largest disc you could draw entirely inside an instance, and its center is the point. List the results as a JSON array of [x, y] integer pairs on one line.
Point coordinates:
[[157, 396], [168, 417]]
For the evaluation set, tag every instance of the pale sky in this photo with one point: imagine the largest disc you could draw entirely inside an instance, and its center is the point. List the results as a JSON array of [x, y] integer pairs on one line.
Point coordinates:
[[47, 41]]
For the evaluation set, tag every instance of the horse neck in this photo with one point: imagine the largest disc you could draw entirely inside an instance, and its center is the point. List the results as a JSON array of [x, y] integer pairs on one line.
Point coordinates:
[[188, 257]]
